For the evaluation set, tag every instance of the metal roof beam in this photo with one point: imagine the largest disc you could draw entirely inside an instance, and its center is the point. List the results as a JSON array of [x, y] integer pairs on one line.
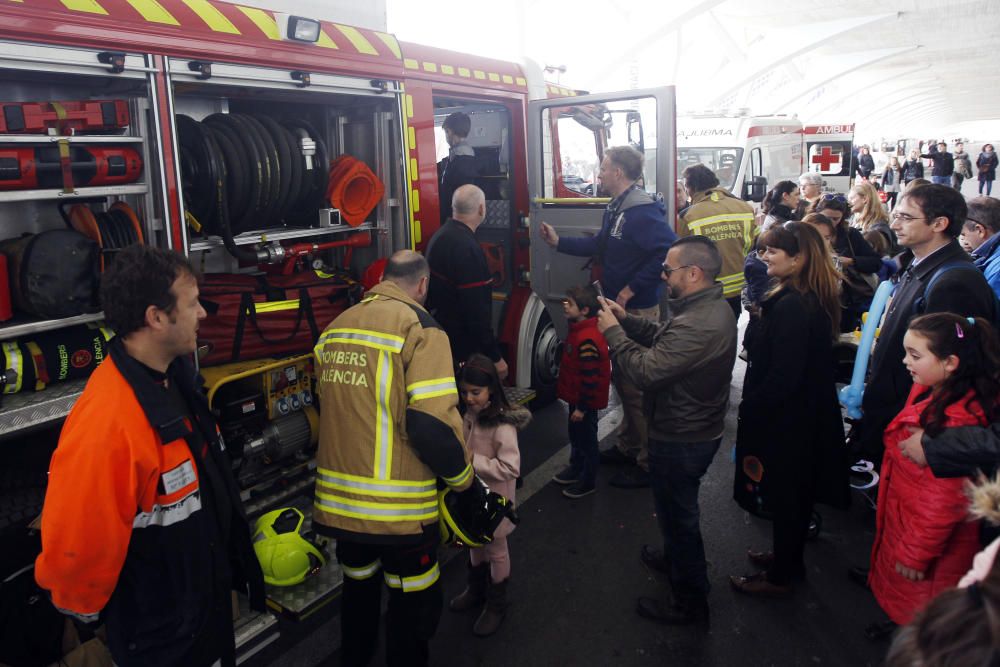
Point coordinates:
[[794, 40], [848, 63]]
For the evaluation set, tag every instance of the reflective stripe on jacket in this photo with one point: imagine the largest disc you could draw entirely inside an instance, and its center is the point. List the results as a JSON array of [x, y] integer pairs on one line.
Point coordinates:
[[390, 425], [140, 528], [729, 222]]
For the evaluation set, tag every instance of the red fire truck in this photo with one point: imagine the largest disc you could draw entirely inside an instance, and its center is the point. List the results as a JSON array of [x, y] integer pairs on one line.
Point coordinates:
[[177, 96]]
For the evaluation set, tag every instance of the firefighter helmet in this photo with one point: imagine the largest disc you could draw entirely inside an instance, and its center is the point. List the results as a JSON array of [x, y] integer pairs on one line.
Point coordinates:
[[469, 518], [285, 556]]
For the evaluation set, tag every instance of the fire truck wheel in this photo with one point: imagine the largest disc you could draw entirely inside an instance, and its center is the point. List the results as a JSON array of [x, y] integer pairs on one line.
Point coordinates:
[[546, 351]]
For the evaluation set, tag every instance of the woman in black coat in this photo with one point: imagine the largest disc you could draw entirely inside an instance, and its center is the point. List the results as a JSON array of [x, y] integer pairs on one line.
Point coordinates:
[[790, 450], [857, 259], [913, 168], [987, 165]]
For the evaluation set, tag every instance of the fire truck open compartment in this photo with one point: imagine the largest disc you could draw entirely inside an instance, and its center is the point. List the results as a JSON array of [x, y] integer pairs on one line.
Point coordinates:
[[353, 118], [79, 149]]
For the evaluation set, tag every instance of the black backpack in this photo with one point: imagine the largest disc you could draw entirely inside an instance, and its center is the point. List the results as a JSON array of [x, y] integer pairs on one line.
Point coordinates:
[[920, 304], [53, 274]]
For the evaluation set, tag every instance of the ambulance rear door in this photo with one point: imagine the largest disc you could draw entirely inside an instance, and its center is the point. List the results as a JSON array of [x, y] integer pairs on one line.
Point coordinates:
[[827, 151], [580, 125]]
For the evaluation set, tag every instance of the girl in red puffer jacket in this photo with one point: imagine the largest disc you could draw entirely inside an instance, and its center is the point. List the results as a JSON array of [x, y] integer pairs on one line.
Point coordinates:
[[924, 538]]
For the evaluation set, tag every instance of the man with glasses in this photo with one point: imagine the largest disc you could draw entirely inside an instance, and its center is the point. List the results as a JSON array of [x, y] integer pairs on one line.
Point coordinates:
[[725, 219], [629, 249], [685, 367], [927, 222]]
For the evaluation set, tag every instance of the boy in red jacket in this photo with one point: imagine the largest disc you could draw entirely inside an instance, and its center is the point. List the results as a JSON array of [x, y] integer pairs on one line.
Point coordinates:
[[584, 378]]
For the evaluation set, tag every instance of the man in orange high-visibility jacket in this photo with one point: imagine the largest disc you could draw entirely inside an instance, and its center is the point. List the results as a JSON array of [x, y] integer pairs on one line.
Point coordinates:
[[389, 431], [142, 526]]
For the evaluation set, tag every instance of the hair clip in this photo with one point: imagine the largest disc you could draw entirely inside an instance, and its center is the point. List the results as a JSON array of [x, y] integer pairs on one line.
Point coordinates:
[[971, 321], [959, 331]]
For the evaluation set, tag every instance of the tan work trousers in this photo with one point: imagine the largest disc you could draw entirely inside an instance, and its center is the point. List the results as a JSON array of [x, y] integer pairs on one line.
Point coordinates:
[[632, 432]]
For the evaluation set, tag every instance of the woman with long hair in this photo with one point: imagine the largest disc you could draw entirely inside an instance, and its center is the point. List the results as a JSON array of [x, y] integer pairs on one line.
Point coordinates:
[[913, 168], [858, 260], [987, 163], [892, 181], [779, 204], [790, 449]]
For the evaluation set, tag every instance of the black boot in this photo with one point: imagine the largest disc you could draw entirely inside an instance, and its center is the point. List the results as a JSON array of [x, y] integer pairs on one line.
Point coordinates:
[[475, 590], [685, 610], [494, 611]]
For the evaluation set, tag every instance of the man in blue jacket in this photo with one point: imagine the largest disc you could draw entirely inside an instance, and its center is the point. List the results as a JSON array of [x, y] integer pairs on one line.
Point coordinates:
[[630, 249]]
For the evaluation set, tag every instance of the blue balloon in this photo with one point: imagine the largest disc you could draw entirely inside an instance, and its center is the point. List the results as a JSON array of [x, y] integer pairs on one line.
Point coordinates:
[[851, 395]]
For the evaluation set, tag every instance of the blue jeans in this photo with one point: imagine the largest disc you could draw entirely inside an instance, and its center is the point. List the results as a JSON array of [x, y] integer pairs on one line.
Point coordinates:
[[583, 456], [941, 180], [676, 469]]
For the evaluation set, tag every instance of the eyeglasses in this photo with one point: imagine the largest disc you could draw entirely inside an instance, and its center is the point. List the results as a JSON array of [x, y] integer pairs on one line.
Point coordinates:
[[841, 198], [667, 270], [903, 217]]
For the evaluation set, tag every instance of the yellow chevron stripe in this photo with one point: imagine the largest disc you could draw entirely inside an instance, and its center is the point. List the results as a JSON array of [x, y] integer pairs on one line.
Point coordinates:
[[212, 17], [358, 40], [262, 20], [325, 41], [88, 6], [391, 42], [153, 12]]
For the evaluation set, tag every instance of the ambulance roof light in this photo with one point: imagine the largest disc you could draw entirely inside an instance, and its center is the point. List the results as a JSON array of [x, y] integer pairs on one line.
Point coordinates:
[[297, 28]]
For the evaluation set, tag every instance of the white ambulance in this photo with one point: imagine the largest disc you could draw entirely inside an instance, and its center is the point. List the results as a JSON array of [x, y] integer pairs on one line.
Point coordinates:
[[749, 154], [828, 151]]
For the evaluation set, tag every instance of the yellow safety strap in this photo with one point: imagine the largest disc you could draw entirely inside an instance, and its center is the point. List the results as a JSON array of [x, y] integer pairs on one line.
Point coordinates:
[[275, 306], [14, 360]]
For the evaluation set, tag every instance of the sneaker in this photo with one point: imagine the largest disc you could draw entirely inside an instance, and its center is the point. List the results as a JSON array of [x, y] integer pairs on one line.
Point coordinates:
[[579, 490], [566, 476]]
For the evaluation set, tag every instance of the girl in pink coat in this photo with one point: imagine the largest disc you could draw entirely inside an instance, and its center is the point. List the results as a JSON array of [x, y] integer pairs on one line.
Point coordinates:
[[491, 425], [924, 537]]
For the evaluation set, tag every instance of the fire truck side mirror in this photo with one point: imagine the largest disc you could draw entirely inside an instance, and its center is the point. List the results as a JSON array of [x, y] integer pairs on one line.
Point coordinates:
[[755, 189]]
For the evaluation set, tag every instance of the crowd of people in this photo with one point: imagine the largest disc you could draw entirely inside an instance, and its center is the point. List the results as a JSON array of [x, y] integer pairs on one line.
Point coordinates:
[[417, 367]]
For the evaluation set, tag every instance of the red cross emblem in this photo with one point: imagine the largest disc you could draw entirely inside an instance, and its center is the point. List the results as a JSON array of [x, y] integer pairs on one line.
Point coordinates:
[[826, 157]]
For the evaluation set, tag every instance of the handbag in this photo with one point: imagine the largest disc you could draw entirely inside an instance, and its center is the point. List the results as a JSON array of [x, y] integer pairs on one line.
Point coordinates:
[[858, 287]]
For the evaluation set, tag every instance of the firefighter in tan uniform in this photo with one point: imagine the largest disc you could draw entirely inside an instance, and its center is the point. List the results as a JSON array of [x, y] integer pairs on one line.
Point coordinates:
[[714, 212], [389, 430]]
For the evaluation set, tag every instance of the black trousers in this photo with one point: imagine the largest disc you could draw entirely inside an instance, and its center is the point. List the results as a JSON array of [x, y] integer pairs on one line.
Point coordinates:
[[792, 498], [415, 600]]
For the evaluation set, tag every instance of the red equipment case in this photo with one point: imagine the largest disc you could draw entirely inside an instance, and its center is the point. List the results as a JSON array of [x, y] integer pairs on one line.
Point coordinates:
[[66, 117]]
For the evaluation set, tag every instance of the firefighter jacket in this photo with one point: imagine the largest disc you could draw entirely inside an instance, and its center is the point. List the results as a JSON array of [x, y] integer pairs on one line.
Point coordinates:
[[728, 221], [461, 293], [389, 423], [143, 525]]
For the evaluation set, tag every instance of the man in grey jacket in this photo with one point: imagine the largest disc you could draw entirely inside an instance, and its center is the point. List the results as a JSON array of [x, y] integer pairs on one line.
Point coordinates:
[[684, 367]]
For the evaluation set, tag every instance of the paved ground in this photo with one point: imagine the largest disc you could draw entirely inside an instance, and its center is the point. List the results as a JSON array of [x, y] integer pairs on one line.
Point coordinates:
[[576, 575]]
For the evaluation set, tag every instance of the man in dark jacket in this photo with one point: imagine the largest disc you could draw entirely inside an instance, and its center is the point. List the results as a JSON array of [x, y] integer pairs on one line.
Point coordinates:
[[630, 249], [461, 293], [944, 164], [143, 527], [459, 168], [684, 366], [927, 222]]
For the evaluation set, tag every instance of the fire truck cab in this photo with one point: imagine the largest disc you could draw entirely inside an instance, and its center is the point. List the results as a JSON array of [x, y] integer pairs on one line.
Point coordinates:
[[214, 124]]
